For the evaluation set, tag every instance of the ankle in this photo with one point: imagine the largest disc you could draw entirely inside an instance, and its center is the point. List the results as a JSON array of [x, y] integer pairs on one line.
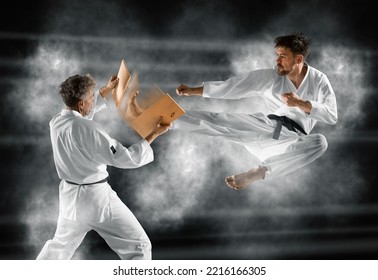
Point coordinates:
[[263, 170], [259, 172]]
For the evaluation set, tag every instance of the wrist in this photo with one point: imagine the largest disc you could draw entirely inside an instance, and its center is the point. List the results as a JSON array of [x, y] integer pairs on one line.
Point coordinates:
[[198, 91], [306, 106], [150, 138], [104, 91]]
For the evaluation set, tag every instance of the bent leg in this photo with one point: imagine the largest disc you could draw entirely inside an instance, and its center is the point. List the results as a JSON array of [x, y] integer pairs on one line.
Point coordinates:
[[307, 149], [68, 236], [124, 234], [301, 153]]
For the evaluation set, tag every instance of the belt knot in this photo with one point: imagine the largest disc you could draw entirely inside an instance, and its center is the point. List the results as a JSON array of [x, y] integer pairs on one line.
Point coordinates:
[[286, 122]]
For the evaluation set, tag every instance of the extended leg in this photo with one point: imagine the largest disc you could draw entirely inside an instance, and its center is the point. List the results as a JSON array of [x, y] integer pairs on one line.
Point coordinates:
[[232, 126]]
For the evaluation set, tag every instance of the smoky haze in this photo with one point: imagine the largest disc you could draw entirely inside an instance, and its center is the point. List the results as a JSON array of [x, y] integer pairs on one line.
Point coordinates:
[[188, 42]]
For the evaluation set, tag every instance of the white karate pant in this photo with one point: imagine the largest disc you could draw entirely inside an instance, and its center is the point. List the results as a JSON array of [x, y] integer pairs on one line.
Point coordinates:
[[119, 228], [290, 152]]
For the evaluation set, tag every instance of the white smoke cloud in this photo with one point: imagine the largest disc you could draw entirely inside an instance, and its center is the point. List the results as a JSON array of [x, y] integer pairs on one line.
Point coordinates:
[[347, 73], [50, 66]]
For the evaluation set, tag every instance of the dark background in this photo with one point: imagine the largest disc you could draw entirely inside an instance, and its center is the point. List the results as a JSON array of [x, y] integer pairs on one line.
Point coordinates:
[[327, 210]]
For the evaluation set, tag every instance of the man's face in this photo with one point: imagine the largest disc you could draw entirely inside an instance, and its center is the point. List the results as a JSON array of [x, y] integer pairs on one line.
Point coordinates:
[[285, 61], [88, 103]]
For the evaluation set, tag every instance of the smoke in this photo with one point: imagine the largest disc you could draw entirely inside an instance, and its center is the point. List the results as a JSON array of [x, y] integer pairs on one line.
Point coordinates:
[[36, 98], [173, 187], [346, 69], [41, 213]]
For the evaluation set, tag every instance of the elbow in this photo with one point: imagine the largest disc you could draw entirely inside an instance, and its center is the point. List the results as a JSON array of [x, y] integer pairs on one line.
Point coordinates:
[[334, 118], [333, 121], [142, 160], [133, 161], [331, 117], [132, 164]]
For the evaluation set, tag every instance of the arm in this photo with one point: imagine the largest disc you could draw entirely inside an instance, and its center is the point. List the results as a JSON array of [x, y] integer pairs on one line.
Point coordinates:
[[103, 92], [159, 130], [251, 84], [322, 109], [293, 100], [189, 91], [112, 152], [112, 83]]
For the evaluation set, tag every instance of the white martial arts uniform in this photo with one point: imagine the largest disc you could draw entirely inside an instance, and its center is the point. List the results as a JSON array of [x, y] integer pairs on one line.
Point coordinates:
[[291, 151], [82, 150]]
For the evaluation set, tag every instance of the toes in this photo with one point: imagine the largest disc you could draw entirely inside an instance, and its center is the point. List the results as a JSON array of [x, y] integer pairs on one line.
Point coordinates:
[[230, 182], [230, 179]]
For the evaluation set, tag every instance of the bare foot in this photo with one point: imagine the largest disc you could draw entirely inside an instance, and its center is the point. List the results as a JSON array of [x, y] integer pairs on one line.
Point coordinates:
[[242, 180], [133, 109]]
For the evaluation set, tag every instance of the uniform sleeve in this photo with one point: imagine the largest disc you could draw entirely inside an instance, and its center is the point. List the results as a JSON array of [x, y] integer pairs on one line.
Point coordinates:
[[113, 153], [254, 83], [324, 108], [100, 104]]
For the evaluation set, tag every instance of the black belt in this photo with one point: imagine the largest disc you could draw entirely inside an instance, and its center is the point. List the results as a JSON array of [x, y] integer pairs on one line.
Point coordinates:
[[87, 184], [286, 122]]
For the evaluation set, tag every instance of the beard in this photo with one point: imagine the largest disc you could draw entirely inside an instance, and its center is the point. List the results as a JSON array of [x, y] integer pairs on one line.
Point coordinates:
[[281, 71]]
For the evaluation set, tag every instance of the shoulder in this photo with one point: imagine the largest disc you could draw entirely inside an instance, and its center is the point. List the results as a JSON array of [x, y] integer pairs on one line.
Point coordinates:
[[83, 124], [316, 73], [320, 80], [54, 119], [89, 129]]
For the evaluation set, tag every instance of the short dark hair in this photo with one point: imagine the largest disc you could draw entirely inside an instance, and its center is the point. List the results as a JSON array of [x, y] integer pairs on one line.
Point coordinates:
[[298, 43], [75, 88]]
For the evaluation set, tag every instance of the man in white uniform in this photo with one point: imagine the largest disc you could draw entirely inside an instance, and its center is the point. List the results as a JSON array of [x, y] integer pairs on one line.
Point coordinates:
[[296, 94], [82, 150]]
